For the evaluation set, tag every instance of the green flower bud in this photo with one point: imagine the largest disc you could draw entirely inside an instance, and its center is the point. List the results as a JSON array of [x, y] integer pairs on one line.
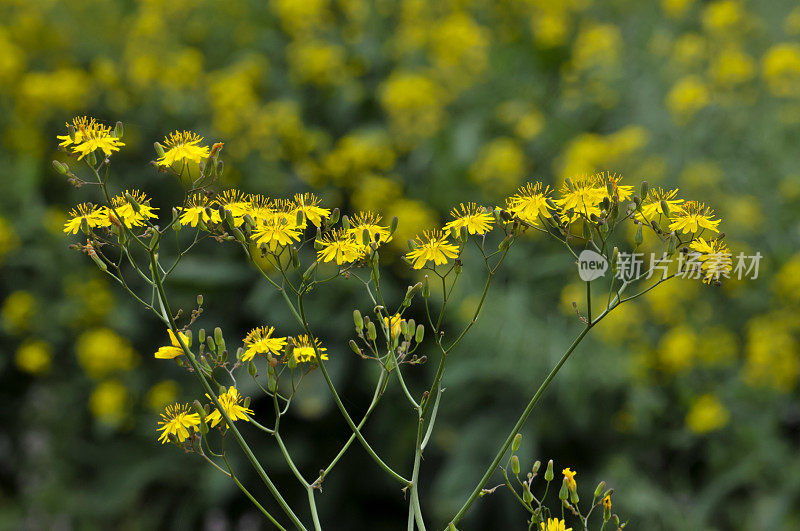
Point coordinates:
[[393, 225], [411, 327], [358, 320], [210, 342], [159, 149], [118, 130], [563, 494], [60, 167], [517, 441], [426, 288], [536, 466], [665, 207], [527, 497], [309, 271], [372, 334], [218, 337], [334, 217], [345, 222], [515, 465], [97, 260], [354, 347], [134, 204], [198, 408], [672, 244], [420, 334], [404, 327], [599, 490], [639, 237], [201, 334], [637, 200], [239, 235], [294, 256], [573, 496], [249, 221], [365, 237], [644, 189], [251, 368], [220, 167], [548, 473], [246, 401]]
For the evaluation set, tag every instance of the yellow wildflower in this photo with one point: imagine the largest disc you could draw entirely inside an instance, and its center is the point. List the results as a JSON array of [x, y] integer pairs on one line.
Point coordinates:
[[178, 420], [570, 475], [781, 68], [651, 205], [34, 357], [174, 350], [260, 341], [126, 211], [530, 202], [432, 246], [623, 192], [475, 218], [393, 325], [94, 216], [230, 403], [554, 524], [341, 246], [707, 414], [607, 502], [582, 196], [235, 202], [199, 209], [183, 146], [693, 217], [308, 205], [276, 230], [715, 259], [260, 207], [369, 221], [306, 350], [90, 136]]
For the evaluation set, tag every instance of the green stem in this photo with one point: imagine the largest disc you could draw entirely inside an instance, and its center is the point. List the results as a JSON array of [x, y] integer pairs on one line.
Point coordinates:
[[518, 426]]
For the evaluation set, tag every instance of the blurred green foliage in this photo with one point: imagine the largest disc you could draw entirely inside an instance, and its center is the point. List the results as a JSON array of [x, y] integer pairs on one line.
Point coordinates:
[[685, 403]]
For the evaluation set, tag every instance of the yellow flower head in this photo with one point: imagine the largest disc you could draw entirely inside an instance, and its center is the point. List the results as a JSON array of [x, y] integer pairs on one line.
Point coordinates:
[[651, 205], [195, 211], [276, 229], [529, 203], [126, 211], [308, 204], [570, 477], [304, 349], [235, 202], [260, 341], [432, 246], [230, 402], [582, 195], [341, 246], [260, 207], [94, 216], [607, 502], [174, 349], [471, 216], [693, 217], [604, 179], [177, 420], [554, 524], [89, 136], [714, 257], [369, 221], [183, 145], [393, 324]]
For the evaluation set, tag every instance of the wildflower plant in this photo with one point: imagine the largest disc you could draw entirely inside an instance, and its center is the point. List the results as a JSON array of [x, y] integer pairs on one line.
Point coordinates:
[[299, 245]]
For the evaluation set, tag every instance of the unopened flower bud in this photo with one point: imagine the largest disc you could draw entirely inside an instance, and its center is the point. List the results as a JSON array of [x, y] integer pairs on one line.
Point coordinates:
[[599, 490], [672, 244], [309, 271], [345, 222], [365, 237], [573, 496], [118, 130], [251, 368], [527, 496], [246, 401], [644, 189], [639, 237], [517, 441], [420, 333], [637, 200], [665, 207], [219, 339], [334, 218], [563, 494], [354, 347], [60, 167], [372, 334], [358, 320], [536, 465], [159, 149], [548, 473], [426, 288], [515, 465], [393, 225]]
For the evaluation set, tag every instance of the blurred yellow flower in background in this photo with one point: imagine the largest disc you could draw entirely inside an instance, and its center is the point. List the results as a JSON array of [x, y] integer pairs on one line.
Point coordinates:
[[34, 357], [109, 402], [101, 351], [707, 414]]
